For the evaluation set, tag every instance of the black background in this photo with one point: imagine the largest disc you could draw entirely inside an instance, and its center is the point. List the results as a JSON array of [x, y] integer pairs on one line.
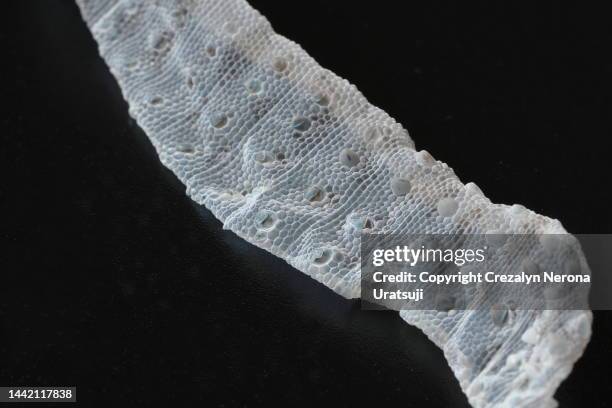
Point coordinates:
[[114, 281]]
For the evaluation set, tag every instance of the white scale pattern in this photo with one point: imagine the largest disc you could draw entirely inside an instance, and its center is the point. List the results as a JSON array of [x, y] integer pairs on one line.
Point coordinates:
[[295, 160]]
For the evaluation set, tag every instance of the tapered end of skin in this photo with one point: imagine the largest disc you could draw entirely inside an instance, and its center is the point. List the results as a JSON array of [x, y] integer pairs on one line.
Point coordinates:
[[528, 377], [556, 340]]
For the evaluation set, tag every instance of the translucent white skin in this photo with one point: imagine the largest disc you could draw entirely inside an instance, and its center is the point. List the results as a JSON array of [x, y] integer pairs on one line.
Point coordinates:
[[295, 160]]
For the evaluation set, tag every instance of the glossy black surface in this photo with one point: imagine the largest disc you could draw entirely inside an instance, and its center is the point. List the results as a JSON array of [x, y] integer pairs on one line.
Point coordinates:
[[114, 281]]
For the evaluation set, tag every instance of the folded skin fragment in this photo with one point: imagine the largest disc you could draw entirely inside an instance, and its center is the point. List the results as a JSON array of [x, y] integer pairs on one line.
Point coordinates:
[[295, 160]]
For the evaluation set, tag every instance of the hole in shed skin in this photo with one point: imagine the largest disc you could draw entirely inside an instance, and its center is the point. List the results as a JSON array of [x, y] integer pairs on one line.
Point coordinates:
[[132, 65], [400, 186], [301, 124], [161, 42], [186, 148], [254, 86], [447, 207], [425, 159], [499, 315], [263, 157], [156, 101], [359, 223], [179, 17], [219, 121], [231, 28], [211, 51], [181, 12], [324, 257], [265, 220], [314, 194], [349, 158], [279, 65], [322, 99]]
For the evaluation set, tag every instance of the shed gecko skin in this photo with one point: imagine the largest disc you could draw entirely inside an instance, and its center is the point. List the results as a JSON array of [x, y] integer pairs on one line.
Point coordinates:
[[296, 161]]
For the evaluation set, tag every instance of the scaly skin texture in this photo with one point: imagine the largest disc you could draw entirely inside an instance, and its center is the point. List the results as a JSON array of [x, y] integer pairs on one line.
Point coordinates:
[[295, 160]]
